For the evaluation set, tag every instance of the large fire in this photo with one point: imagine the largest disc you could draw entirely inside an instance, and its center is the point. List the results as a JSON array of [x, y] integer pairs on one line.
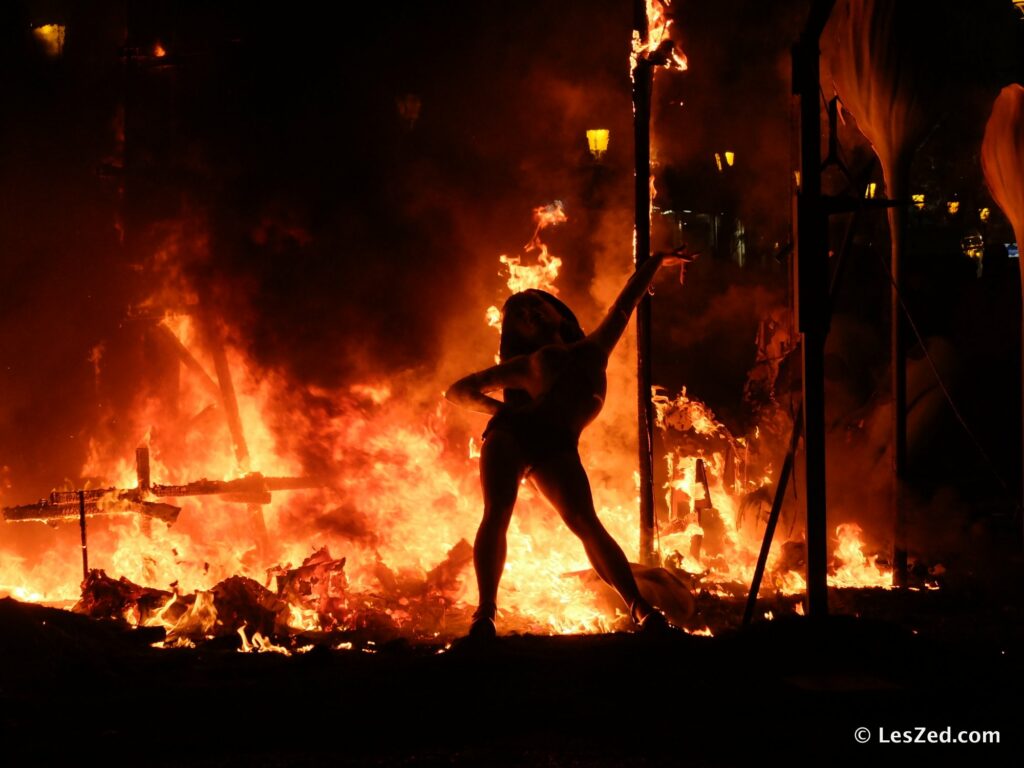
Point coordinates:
[[352, 509]]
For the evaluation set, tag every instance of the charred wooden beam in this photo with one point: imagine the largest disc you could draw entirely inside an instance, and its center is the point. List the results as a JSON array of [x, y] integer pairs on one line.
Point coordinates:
[[188, 360], [64, 505], [85, 543], [142, 467], [68, 506], [253, 484]]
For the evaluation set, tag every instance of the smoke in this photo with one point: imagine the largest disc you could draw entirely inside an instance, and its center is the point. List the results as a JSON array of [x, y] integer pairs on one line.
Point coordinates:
[[272, 185]]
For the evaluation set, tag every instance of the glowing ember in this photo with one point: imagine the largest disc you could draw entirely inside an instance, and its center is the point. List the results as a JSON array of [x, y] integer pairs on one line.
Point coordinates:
[[378, 394], [685, 413], [259, 644]]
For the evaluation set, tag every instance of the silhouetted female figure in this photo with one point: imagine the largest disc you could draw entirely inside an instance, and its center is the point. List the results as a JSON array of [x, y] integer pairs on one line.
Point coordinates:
[[554, 380]]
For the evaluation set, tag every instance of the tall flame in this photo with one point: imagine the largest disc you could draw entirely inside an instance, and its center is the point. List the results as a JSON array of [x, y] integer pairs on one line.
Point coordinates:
[[655, 47], [542, 275]]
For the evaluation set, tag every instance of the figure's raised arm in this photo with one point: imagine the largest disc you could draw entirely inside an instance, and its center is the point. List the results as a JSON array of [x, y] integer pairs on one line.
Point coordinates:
[[608, 333], [470, 391]]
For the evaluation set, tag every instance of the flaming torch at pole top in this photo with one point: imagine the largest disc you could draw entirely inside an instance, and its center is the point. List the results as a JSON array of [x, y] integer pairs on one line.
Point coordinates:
[[653, 44]]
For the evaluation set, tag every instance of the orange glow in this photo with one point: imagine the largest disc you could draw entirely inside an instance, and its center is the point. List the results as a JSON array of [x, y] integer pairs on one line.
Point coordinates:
[[51, 38], [380, 529], [855, 569], [651, 48], [158, 50], [541, 275]]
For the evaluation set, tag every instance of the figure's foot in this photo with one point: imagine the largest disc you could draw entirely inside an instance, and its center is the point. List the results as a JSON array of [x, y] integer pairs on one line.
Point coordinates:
[[649, 621], [483, 628], [655, 625]]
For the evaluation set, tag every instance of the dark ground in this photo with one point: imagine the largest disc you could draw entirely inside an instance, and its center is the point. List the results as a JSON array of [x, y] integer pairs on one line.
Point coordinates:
[[791, 690]]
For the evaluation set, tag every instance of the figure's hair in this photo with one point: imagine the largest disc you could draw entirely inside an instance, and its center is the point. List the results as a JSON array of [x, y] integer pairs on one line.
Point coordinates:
[[513, 345]]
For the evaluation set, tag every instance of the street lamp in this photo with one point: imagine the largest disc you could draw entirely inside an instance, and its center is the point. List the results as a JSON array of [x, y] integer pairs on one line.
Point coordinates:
[[51, 38], [597, 141]]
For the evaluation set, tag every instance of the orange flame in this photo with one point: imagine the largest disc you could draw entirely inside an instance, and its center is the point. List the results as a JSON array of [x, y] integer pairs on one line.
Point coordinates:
[[653, 47], [395, 496], [540, 276], [854, 568]]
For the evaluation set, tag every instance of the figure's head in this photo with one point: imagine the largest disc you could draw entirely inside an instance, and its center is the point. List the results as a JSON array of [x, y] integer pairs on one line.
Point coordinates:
[[532, 319]]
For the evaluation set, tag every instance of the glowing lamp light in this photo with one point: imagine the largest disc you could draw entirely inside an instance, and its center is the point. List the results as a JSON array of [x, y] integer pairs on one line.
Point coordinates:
[[973, 245], [718, 161], [597, 141], [730, 158], [984, 214], [953, 206], [51, 38], [918, 201], [870, 190], [158, 50]]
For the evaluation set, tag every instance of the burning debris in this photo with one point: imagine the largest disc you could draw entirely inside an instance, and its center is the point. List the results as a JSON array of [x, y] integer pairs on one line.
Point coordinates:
[[310, 602]]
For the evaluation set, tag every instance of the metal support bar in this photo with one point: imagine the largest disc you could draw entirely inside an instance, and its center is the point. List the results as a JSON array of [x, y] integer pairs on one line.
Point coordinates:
[[812, 298]]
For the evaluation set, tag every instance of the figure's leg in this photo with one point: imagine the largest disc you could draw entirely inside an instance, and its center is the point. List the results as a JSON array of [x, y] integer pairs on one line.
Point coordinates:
[[501, 470], [564, 482]]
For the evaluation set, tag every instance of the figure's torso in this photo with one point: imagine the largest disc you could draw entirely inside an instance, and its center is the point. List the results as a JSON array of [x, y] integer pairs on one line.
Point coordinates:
[[569, 384]]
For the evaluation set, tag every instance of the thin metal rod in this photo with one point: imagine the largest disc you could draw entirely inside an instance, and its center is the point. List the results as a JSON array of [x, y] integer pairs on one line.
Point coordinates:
[[898, 341], [85, 545], [773, 519]]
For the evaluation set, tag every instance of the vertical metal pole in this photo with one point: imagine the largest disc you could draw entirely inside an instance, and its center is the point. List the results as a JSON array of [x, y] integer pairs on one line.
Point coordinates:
[[812, 301], [898, 233], [643, 76], [85, 546]]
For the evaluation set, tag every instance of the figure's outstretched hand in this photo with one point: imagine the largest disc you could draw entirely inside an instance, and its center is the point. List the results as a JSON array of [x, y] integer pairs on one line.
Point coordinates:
[[679, 257]]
